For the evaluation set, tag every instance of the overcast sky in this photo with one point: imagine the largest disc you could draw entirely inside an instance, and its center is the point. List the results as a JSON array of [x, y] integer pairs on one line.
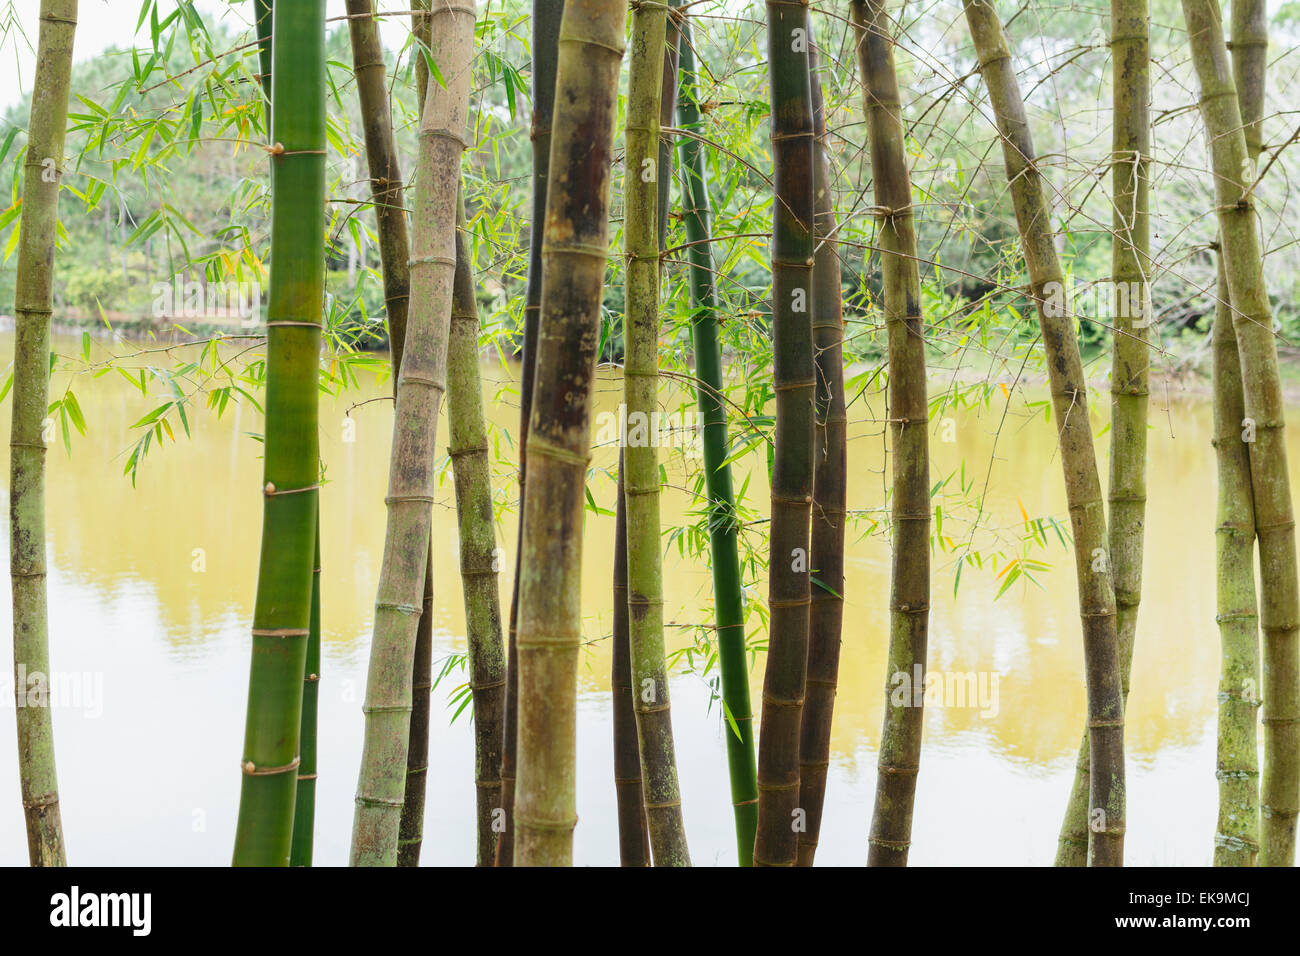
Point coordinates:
[[111, 23]]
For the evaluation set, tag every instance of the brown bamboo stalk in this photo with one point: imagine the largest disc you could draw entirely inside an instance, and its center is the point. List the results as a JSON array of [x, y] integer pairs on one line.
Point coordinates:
[[830, 476], [900, 739], [1078, 457], [575, 248]]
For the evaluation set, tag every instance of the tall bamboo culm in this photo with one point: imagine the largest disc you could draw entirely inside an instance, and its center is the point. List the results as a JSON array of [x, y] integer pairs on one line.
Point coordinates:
[[830, 465], [420, 389], [33, 308], [479, 558], [282, 611], [641, 491], [1078, 457], [728, 596], [779, 819], [546, 33], [394, 255], [1236, 835], [1262, 430], [574, 251], [900, 738], [1130, 361], [633, 831], [1249, 68]]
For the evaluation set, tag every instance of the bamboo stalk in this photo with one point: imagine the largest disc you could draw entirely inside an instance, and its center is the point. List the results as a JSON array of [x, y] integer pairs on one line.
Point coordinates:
[[900, 738], [1130, 360], [304, 813], [728, 597], [546, 34], [394, 250], [1236, 837], [650, 697], [33, 308], [420, 388], [1078, 457], [779, 816], [479, 556], [282, 611], [576, 241], [830, 459], [633, 832], [1263, 425]]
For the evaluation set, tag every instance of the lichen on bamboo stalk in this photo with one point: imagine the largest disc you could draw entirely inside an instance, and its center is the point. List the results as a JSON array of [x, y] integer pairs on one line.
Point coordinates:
[[574, 252], [724, 524], [1106, 804], [640, 455], [33, 308], [545, 47], [1131, 267], [421, 386], [1262, 430], [779, 815], [900, 738], [479, 557], [282, 610], [830, 475]]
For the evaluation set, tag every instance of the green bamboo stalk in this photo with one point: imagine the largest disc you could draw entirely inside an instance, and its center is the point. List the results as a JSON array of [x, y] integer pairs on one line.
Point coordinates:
[[728, 597], [282, 611], [1078, 457], [789, 596], [830, 457], [576, 241], [1130, 360], [479, 558], [641, 476], [900, 738], [633, 831], [1236, 837], [1263, 424], [420, 388], [546, 34], [304, 813], [33, 308]]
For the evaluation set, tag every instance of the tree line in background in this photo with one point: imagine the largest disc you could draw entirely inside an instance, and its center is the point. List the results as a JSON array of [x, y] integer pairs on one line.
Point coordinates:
[[848, 280]]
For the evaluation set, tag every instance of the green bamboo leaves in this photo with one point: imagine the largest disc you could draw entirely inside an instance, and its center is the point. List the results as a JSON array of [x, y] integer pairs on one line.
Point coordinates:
[[33, 308], [641, 478], [780, 818], [421, 386], [728, 596], [575, 247], [1261, 429], [1078, 457], [282, 612], [900, 738]]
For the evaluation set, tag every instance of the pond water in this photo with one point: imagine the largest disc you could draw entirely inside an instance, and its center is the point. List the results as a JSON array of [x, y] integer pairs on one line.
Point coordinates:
[[154, 635]]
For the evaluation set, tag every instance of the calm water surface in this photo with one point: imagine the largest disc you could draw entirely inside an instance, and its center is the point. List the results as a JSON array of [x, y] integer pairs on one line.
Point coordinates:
[[148, 760]]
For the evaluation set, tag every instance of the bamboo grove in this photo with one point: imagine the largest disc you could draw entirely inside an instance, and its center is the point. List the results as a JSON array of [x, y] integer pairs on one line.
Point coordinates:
[[739, 215]]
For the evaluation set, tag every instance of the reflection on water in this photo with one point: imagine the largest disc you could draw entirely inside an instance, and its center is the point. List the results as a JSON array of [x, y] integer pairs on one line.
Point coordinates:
[[151, 589]]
